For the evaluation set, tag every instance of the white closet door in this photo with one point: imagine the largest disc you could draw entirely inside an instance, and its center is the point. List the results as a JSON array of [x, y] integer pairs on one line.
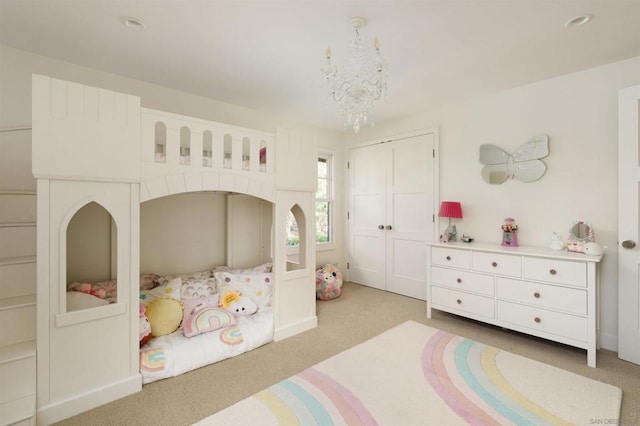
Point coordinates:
[[409, 213], [367, 177], [391, 214], [628, 230]]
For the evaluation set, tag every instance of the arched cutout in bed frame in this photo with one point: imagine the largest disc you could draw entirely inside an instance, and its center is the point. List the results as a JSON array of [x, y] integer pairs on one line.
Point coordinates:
[[96, 144]]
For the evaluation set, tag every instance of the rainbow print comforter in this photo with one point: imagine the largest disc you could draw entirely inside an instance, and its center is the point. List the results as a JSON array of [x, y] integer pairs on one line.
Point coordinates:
[[175, 354]]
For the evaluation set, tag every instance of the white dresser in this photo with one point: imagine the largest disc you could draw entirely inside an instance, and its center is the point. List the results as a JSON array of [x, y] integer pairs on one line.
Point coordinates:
[[534, 290]]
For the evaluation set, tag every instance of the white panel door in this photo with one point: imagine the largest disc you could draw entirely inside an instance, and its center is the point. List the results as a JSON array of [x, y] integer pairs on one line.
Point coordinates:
[[628, 219], [409, 214], [367, 180], [391, 210]]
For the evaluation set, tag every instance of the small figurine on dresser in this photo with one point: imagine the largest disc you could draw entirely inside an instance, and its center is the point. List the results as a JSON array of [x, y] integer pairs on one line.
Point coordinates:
[[556, 242], [509, 233]]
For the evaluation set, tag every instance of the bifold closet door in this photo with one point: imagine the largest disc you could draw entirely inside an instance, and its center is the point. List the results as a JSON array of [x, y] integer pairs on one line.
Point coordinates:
[[391, 214]]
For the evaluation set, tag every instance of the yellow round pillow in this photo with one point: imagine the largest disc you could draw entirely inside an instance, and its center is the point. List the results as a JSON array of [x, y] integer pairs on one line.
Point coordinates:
[[165, 315]]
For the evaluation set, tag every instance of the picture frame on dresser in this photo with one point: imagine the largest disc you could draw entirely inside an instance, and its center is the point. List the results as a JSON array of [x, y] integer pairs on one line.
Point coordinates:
[[533, 290]]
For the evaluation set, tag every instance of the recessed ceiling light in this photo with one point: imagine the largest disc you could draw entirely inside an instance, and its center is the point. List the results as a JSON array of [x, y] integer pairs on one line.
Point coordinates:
[[578, 21], [133, 23]]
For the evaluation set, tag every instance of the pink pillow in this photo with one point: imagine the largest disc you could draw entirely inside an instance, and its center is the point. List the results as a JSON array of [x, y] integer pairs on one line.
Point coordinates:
[[191, 305], [206, 319]]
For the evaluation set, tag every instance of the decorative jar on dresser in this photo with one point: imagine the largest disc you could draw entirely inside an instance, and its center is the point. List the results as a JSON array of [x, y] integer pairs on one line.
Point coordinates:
[[533, 290]]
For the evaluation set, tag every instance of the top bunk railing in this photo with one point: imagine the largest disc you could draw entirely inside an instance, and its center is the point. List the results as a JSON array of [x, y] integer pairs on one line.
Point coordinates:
[[172, 144]]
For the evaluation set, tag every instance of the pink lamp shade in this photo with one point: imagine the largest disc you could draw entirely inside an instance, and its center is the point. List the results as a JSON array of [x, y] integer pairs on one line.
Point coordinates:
[[450, 209]]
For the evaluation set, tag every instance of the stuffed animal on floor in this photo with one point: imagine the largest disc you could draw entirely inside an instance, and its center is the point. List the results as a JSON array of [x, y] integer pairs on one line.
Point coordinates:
[[328, 282], [145, 327], [238, 305]]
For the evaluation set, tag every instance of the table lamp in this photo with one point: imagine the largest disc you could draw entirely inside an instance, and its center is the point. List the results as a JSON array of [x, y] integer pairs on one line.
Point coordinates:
[[450, 209]]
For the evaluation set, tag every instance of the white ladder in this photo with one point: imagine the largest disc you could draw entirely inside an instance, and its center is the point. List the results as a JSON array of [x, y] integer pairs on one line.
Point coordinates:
[[17, 279]]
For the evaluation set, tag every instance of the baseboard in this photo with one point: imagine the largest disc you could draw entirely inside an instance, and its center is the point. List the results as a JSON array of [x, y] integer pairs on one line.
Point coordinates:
[[293, 329], [61, 410]]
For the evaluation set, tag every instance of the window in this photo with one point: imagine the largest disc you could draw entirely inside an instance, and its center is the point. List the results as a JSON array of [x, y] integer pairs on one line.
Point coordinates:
[[324, 200]]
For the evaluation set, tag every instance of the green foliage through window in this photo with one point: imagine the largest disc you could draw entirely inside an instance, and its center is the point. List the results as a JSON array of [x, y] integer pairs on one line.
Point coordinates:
[[324, 199]]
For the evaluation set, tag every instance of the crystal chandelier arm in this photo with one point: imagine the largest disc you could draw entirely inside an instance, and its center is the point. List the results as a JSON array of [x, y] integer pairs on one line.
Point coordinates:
[[339, 91]]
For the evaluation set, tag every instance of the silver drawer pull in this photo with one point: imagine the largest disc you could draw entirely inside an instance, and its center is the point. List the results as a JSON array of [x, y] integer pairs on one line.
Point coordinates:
[[552, 271], [536, 295], [459, 280], [494, 264], [459, 302], [537, 320]]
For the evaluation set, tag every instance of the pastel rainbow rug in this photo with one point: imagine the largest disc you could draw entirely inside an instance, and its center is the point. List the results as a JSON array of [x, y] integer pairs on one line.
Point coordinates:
[[417, 375]]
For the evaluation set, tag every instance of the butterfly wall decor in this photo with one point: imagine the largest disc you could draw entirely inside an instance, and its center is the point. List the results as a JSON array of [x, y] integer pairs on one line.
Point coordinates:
[[524, 164]]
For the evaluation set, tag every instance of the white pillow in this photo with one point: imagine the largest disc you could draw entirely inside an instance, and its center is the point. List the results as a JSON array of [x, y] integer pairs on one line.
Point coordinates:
[[198, 288], [191, 276], [259, 269], [259, 287], [77, 300], [169, 289]]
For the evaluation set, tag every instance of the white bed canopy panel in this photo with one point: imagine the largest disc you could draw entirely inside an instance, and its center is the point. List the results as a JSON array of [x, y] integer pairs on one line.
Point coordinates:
[[95, 146]]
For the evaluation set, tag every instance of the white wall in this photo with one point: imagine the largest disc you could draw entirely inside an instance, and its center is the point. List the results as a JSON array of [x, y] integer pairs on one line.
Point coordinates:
[[579, 113], [16, 67]]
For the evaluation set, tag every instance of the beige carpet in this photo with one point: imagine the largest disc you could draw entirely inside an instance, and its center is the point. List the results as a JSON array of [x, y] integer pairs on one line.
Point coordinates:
[[359, 314], [417, 375]]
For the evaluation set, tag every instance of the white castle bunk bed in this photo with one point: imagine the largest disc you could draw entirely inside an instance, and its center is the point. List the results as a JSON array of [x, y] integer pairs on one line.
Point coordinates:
[[98, 147]]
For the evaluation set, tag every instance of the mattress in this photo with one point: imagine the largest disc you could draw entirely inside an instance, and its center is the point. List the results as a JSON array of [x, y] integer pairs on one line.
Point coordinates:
[[175, 354]]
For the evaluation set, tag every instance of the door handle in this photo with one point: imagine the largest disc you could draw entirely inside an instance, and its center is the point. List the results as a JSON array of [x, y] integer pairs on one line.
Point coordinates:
[[628, 244], [380, 227], [388, 227]]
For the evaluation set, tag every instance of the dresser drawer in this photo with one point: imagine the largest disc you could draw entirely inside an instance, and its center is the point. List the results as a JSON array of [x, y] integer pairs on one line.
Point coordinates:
[[564, 325], [463, 302], [556, 271], [543, 295], [462, 280], [500, 264], [451, 257]]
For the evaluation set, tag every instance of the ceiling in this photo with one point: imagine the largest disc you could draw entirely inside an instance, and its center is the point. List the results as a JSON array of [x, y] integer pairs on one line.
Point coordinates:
[[266, 55]]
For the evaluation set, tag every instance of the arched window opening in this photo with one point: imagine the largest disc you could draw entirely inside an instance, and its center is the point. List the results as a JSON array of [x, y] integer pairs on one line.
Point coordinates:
[[296, 239], [207, 148], [160, 142], [92, 253], [246, 153], [228, 151], [263, 156], [185, 145], [293, 234]]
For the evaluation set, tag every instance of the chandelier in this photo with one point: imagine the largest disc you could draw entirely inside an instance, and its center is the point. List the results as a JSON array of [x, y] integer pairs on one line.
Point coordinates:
[[362, 84]]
